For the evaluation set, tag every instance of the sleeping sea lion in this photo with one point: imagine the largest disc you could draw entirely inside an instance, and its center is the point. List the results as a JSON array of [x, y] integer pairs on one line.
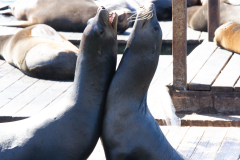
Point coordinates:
[[61, 15], [70, 129], [129, 130], [229, 11], [227, 36], [39, 51]]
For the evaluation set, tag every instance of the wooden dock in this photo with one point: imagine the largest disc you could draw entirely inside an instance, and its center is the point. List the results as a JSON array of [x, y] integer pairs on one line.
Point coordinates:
[[197, 143], [194, 37]]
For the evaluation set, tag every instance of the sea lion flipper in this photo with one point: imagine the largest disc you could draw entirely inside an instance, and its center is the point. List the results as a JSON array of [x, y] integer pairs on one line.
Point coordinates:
[[18, 24]]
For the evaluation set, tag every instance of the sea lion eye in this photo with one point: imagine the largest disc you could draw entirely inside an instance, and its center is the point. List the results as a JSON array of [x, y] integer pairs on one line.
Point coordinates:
[[156, 27], [100, 31]]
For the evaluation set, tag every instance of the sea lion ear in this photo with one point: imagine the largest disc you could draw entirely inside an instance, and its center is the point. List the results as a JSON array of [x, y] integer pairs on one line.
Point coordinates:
[[45, 31]]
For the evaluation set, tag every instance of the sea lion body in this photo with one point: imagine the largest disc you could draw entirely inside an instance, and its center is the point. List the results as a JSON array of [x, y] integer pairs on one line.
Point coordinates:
[[70, 129], [228, 12], [227, 37], [129, 130], [39, 51], [61, 15]]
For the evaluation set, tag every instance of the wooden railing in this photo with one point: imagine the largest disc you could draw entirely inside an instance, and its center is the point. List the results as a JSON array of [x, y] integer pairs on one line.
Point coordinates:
[[179, 45]]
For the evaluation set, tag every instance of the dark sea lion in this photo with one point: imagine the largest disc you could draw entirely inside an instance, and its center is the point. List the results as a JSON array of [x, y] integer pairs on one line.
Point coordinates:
[[129, 130], [39, 51], [229, 11], [70, 129], [227, 36], [62, 15]]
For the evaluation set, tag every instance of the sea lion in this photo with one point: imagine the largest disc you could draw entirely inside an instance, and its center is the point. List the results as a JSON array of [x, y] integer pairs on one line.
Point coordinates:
[[229, 11], [227, 36], [129, 130], [62, 15], [39, 51], [70, 129]]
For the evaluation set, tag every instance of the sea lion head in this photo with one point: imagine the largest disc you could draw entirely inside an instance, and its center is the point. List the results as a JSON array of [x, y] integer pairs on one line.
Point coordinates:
[[100, 35], [147, 32]]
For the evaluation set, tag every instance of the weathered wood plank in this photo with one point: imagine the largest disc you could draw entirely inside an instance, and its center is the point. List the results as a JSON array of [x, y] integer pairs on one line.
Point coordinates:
[[200, 58], [75, 38], [43, 99], [175, 135], [209, 72], [5, 69], [204, 36], [179, 44], [10, 78], [192, 35], [166, 27], [206, 101], [229, 76], [165, 129], [190, 141], [230, 148], [66, 35], [11, 92], [209, 143], [25, 97]]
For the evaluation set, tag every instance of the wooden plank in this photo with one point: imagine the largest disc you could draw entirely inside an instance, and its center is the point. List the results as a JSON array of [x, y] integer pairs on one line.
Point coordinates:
[[5, 69], [175, 135], [25, 97], [66, 35], [43, 99], [203, 36], [209, 143], [166, 27], [230, 148], [229, 76], [165, 129], [164, 62], [11, 92], [213, 18], [197, 61], [75, 38], [192, 35], [10, 78], [209, 72], [190, 141], [179, 44], [8, 31]]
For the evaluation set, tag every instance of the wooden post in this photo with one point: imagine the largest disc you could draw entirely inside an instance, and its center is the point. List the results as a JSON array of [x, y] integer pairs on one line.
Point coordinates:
[[213, 18], [179, 45]]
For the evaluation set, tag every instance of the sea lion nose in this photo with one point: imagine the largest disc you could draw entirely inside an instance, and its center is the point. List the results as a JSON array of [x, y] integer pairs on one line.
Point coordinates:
[[103, 7]]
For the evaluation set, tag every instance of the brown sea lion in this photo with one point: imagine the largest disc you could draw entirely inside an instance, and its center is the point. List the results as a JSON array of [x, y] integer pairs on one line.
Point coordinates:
[[39, 51], [62, 15], [227, 36], [129, 130], [229, 11], [70, 129]]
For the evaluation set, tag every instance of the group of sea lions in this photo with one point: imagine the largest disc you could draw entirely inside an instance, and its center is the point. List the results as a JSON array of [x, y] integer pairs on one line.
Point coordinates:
[[39, 51], [227, 35], [102, 102]]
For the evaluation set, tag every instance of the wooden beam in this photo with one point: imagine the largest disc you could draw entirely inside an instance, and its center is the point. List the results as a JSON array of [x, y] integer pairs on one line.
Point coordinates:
[[213, 17], [179, 46]]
